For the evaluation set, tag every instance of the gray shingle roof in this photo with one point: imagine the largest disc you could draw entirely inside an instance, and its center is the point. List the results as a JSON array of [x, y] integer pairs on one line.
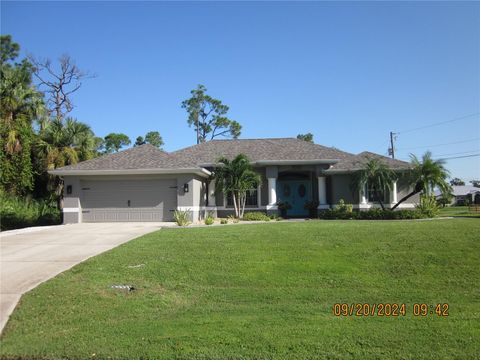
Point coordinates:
[[461, 190], [357, 162], [139, 157], [197, 156], [281, 149]]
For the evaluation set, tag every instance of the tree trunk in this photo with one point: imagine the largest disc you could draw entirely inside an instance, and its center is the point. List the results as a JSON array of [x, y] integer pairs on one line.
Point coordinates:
[[235, 204], [405, 198], [381, 204], [242, 202], [198, 132]]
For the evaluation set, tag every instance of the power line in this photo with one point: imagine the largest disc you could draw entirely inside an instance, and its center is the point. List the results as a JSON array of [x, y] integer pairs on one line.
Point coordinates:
[[448, 158], [437, 124], [458, 153], [460, 157], [436, 145]]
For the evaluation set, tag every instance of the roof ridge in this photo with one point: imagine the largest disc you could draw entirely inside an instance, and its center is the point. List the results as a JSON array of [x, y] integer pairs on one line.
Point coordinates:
[[268, 138]]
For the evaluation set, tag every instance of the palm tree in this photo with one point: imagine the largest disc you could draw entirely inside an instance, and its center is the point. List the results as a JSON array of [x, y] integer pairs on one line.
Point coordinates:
[[236, 177], [426, 175], [20, 104], [377, 176], [64, 143]]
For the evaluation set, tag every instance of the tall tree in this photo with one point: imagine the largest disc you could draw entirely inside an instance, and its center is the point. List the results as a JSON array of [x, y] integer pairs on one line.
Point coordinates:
[[59, 82], [115, 141], [20, 105], [154, 138], [377, 176], [66, 142], [9, 49], [475, 183], [236, 177], [306, 137], [208, 116], [426, 175], [139, 141], [457, 182]]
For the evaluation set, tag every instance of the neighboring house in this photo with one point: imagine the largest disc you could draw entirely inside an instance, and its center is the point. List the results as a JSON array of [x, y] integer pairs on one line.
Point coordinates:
[[463, 194], [147, 184]]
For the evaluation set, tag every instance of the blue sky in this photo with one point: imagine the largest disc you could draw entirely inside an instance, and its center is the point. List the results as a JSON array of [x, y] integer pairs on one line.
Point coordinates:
[[347, 72]]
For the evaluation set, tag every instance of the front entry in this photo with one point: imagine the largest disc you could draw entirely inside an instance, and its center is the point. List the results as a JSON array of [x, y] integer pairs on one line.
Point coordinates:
[[295, 193]]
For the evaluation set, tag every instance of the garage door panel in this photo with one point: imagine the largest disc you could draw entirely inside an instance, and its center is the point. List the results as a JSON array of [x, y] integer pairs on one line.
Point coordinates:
[[108, 201]]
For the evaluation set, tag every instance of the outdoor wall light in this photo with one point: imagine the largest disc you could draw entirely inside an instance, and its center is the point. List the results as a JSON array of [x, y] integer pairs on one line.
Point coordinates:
[[185, 187], [69, 189]]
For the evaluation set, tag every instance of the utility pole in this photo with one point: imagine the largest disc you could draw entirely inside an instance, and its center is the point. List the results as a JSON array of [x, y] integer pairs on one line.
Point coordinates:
[[391, 150]]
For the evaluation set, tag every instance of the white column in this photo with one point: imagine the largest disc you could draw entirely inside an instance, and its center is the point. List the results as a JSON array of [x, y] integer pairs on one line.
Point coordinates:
[[363, 197], [272, 191], [322, 193], [393, 193], [211, 193]]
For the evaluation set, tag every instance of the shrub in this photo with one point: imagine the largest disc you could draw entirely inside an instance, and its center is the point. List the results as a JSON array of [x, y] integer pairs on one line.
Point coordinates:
[[372, 214], [341, 211], [379, 214], [255, 216], [209, 220], [428, 206], [16, 212], [223, 221], [375, 214], [275, 217], [342, 207], [408, 214], [312, 207], [233, 219], [182, 218]]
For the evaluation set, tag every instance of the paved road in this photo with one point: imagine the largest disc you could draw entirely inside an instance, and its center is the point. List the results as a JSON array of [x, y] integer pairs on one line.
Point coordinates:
[[30, 257]]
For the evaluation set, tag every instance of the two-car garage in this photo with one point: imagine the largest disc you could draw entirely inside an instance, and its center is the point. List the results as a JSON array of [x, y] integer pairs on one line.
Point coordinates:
[[107, 200], [139, 184]]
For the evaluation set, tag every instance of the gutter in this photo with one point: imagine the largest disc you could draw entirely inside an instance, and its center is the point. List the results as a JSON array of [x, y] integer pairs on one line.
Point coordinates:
[[197, 171], [333, 171], [296, 162], [284, 162]]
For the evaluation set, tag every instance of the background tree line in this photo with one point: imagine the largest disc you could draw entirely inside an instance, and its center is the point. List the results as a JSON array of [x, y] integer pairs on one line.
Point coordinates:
[[37, 133]]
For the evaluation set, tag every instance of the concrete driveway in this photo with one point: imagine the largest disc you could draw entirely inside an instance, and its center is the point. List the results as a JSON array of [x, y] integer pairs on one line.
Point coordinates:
[[32, 256]]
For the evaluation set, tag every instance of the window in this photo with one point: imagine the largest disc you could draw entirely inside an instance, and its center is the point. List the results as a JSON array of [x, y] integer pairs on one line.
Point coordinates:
[[376, 196], [251, 200]]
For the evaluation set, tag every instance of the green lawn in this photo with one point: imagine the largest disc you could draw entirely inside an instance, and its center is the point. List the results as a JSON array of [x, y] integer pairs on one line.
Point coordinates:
[[458, 211], [263, 291]]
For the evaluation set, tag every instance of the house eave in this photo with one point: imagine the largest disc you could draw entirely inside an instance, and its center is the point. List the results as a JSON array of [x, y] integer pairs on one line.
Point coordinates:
[[296, 162], [197, 171], [333, 171], [285, 162]]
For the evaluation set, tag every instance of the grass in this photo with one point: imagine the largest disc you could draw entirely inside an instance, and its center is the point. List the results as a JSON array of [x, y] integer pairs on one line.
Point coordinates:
[[262, 291], [458, 211]]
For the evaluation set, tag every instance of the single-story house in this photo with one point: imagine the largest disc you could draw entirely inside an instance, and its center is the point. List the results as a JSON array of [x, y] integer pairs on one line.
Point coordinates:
[[463, 194], [146, 184]]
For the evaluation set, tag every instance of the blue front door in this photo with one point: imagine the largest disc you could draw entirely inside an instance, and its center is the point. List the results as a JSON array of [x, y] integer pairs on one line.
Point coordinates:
[[296, 193]]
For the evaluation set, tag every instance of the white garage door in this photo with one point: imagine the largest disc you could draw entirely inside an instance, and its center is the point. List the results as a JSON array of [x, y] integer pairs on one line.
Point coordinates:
[[128, 200]]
